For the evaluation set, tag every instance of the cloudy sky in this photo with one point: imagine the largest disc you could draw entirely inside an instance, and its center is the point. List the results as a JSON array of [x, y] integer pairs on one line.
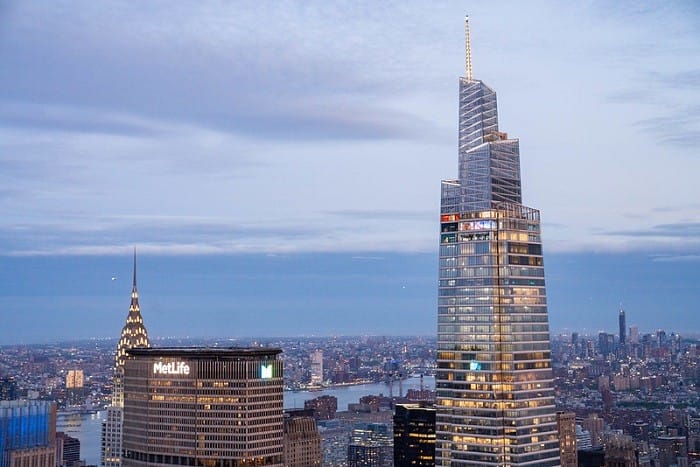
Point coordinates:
[[220, 138]]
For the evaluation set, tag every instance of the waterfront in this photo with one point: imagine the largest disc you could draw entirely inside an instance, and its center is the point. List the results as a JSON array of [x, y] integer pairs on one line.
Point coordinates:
[[87, 427], [349, 394]]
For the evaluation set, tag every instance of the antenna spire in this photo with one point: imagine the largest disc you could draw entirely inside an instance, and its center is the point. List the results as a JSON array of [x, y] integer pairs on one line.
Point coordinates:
[[468, 50], [134, 268]]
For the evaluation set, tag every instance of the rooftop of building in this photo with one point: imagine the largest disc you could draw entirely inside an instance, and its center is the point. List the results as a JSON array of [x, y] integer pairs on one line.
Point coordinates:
[[417, 406], [207, 353], [15, 403]]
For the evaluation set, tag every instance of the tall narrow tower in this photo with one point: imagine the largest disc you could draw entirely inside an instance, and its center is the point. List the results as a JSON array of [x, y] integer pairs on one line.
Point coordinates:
[[494, 381], [622, 321], [133, 335]]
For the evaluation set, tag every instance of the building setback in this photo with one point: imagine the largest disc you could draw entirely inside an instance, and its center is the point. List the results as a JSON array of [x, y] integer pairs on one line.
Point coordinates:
[[203, 406], [494, 385]]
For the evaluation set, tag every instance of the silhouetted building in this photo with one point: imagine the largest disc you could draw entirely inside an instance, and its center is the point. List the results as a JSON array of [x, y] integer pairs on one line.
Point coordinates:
[[634, 334], [302, 441], [324, 407], [675, 345], [371, 445], [619, 451], [591, 457], [672, 450], [8, 389], [634, 342], [414, 435], [623, 328], [203, 406], [661, 338], [494, 383], [639, 430], [606, 343], [27, 433], [67, 450], [566, 428], [133, 335]]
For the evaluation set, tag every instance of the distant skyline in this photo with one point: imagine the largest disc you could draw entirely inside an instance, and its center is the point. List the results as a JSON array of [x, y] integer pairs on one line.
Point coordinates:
[[48, 299], [272, 142]]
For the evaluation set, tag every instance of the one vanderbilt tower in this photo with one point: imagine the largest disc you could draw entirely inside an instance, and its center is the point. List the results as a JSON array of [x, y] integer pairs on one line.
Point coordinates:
[[494, 380]]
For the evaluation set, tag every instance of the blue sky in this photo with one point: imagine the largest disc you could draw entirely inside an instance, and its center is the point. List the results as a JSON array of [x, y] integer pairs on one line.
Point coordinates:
[[224, 137]]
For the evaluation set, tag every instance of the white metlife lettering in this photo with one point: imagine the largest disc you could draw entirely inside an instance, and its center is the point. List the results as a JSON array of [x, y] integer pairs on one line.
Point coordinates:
[[171, 368]]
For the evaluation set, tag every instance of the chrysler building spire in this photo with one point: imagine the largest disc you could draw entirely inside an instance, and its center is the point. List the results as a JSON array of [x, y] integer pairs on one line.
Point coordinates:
[[133, 335], [134, 332], [134, 268], [134, 291]]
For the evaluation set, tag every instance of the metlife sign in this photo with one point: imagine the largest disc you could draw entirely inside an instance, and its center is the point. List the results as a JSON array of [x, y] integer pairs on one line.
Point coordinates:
[[171, 368], [266, 371]]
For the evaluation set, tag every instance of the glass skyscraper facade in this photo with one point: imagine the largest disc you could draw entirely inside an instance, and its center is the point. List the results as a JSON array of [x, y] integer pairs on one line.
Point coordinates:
[[495, 396], [27, 433]]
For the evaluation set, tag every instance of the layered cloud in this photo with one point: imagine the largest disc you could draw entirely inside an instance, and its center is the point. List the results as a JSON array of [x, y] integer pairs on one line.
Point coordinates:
[[284, 127]]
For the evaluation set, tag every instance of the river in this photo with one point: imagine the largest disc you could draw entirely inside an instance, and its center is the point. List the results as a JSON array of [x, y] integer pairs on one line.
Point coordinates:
[[87, 427]]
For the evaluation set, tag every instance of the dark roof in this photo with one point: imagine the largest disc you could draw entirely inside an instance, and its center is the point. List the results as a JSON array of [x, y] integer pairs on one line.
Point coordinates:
[[207, 353]]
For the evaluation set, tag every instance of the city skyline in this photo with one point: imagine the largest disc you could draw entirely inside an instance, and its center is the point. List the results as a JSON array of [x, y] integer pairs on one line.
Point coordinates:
[[226, 142]]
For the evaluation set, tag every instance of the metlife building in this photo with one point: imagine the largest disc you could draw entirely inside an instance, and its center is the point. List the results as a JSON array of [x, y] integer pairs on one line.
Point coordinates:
[[203, 406]]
